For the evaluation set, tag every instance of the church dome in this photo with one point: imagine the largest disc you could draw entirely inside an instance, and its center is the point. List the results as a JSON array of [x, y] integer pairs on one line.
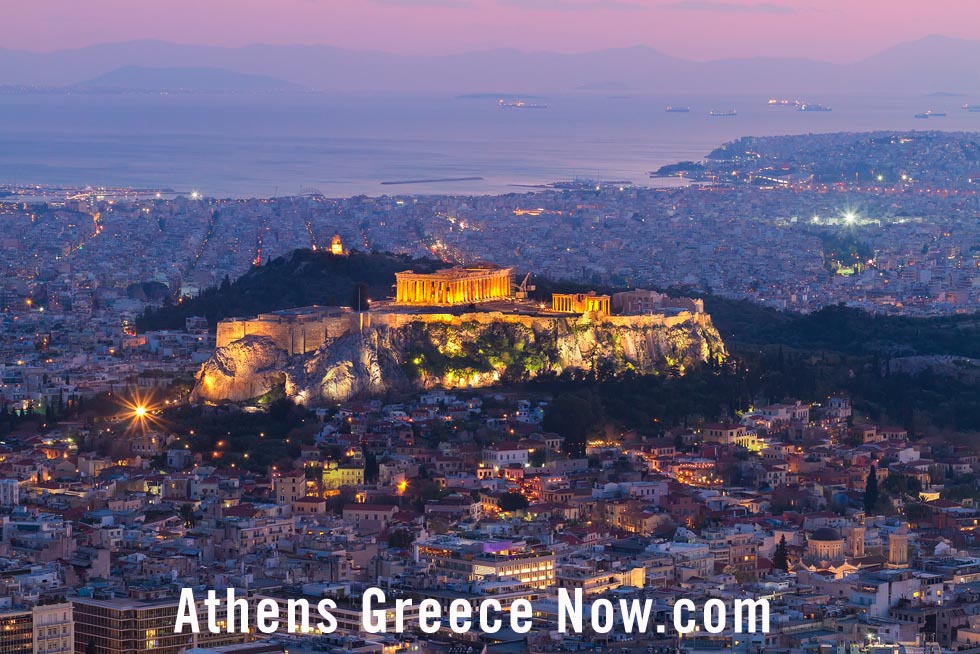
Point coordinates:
[[825, 534]]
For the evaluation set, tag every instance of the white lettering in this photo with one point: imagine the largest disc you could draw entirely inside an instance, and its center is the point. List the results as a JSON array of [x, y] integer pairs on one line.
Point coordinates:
[[304, 606], [602, 616], [400, 606], [635, 613], [267, 616], [488, 626], [186, 612], [520, 614], [234, 604], [373, 620], [460, 608], [569, 611], [212, 603], [688, 626], [751, 605], [329, 624], [714, 624], [429, 613]]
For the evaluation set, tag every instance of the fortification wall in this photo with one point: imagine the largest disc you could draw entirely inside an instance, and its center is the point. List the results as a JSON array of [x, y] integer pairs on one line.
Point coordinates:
[[529, 321], [304, 336], [295, 337]]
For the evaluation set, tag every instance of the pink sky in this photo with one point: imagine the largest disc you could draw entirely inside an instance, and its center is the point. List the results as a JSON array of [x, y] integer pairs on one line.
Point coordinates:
[[831, 30]]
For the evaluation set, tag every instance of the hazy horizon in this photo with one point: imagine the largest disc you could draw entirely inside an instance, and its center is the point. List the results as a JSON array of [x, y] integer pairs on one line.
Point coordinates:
[[394, 108], [836, 31], [489, 50]]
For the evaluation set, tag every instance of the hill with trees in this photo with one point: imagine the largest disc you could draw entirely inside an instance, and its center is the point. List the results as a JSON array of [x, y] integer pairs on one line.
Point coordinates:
[[302, 278], [775, 354]]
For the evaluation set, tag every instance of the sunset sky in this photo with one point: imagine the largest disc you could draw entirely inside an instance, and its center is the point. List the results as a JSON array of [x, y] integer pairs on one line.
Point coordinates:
[[830, 30]]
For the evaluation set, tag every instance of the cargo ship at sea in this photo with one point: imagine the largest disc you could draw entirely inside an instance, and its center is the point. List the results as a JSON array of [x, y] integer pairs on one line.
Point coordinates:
[[519, 104], [807, 106], [729, 112], [677, 110]]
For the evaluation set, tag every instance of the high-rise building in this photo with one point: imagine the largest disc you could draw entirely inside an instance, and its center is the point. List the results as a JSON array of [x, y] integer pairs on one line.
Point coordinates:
[[128, 626], [16, 631]]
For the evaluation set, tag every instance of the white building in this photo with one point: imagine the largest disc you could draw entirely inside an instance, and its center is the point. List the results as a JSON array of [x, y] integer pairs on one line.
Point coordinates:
[[9, 493], [505, 454]]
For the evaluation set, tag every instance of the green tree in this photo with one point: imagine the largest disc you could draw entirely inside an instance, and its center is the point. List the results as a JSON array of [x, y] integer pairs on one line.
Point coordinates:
[[917, 512], [780, 559], [901, 485], [187, 515], [360, 297], [512, 502], [574, 416], [400, 539], [371, 467], [871, 491]]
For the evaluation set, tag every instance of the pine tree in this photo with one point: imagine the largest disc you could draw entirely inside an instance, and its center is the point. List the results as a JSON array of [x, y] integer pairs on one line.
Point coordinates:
[[780, 559], [360, 299], [871, 491]]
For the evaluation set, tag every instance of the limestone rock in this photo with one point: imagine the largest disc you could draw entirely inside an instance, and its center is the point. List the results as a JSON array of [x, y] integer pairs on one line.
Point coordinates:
[[245, 369], [462, 351]]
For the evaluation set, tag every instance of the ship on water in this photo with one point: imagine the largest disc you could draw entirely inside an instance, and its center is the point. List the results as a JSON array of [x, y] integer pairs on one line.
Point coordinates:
[[799, 105], [677, 110], [519, 104], [974, 108], [931, 114], [724, 113], [808, 106]]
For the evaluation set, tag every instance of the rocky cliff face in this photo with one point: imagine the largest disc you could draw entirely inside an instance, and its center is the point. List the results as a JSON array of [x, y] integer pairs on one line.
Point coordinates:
[[456, 354]]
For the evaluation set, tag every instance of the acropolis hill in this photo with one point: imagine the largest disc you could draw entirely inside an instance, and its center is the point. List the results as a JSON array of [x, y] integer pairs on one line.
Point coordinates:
[[459, 327]]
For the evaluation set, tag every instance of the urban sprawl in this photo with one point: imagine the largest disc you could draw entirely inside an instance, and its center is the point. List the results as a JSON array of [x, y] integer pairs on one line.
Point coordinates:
[[851, 530]]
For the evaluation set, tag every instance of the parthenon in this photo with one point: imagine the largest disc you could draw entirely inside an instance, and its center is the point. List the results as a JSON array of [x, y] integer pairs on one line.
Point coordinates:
[[453, 286]]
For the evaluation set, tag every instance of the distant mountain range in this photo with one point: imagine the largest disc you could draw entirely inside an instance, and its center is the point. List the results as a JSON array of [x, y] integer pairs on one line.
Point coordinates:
[[141, 78], [932, 64]]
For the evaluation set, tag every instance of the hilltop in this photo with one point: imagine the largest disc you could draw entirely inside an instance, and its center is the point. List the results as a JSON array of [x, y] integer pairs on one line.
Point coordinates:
[[911, 371], [301, 278], [305, 278]]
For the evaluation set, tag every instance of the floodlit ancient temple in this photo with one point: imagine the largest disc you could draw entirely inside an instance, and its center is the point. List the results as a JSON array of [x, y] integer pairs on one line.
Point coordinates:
[[580, 303], [453, 286]]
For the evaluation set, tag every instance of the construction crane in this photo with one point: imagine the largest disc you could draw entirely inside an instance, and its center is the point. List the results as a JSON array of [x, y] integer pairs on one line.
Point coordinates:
[[523, 288]]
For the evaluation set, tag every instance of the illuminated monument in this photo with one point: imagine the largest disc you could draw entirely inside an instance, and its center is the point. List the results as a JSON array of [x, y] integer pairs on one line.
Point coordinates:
[[580, 303], [464, 327], [454, 286]]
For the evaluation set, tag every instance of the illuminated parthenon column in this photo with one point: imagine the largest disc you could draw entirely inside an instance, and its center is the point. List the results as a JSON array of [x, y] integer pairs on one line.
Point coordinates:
[[453, 286]]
